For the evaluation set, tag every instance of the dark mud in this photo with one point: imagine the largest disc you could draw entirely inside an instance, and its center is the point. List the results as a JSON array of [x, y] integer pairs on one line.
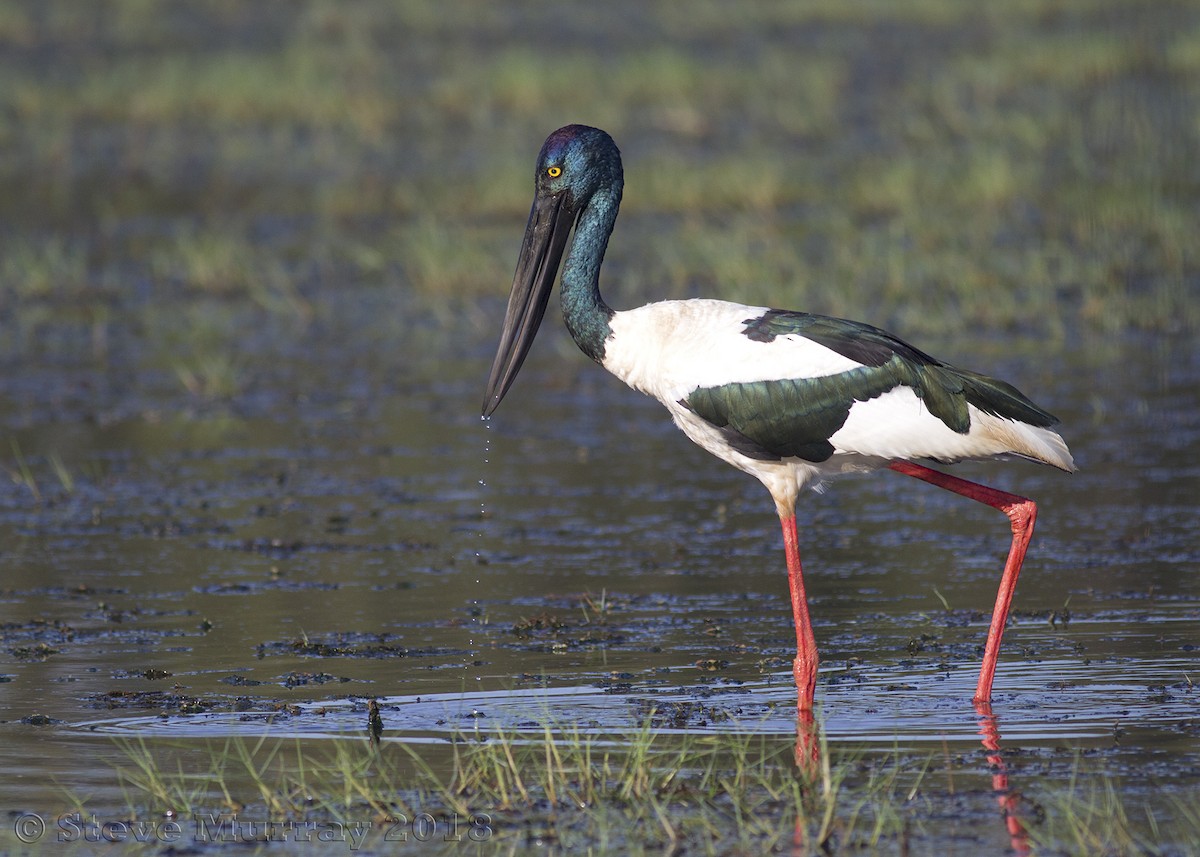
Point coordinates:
[[307, 564]]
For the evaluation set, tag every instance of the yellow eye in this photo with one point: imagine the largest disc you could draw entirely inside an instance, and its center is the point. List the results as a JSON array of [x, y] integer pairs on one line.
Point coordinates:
[[554, 172]]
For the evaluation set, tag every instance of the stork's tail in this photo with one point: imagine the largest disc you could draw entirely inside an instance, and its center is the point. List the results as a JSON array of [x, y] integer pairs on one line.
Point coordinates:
[[1036, 443]]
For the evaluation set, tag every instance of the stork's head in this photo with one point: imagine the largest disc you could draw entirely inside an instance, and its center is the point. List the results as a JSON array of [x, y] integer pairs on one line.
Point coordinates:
[[575, 163]]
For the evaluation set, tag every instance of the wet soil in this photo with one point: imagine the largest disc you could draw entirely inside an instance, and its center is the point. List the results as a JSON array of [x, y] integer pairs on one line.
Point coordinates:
[[241, 570]]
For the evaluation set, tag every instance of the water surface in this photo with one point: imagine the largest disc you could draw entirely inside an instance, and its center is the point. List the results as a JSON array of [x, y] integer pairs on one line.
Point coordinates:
[[322, 543]]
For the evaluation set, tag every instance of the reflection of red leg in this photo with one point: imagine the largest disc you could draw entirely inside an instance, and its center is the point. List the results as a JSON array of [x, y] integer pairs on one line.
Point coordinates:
[[804, 668], [808, 742], [1009, 800], [1022, 513]]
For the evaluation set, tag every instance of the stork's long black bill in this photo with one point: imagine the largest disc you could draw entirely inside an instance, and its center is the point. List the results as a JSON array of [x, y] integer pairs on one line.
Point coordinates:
[[550, 223]]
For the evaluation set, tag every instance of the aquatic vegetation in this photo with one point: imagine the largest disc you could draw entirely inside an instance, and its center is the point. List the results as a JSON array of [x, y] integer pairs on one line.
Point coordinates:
[[566, 787], [986, 167], [1089, 815], [646, 790]]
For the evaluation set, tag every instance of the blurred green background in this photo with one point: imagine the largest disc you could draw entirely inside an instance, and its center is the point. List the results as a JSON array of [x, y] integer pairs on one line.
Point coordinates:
[[177, 177]]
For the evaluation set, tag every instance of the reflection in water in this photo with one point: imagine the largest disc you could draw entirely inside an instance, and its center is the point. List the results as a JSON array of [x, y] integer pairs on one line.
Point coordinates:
[[1008, 799], [808, 761], [374, 722], [808, 741]]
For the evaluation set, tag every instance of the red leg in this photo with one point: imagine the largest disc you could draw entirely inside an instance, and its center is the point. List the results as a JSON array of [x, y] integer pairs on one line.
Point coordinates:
[[1022, 513], [804, 668]]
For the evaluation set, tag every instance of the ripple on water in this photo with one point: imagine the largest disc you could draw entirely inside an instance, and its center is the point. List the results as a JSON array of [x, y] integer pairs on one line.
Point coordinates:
[[1049, 700]]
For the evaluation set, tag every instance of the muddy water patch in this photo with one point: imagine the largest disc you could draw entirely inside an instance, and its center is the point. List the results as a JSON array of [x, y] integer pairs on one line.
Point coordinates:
[[1047, 701]]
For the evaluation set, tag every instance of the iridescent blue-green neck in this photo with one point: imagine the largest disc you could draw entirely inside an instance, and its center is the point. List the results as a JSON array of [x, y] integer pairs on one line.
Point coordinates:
[[584, 310]]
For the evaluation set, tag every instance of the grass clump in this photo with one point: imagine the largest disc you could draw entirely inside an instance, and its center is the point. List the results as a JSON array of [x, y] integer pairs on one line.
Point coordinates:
[[1089, 816], [922, 166], [640, 793], [35, 269], [645, 791]]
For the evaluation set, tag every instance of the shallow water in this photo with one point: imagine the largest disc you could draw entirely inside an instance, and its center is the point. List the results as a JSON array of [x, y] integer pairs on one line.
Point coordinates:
[[320, 542]]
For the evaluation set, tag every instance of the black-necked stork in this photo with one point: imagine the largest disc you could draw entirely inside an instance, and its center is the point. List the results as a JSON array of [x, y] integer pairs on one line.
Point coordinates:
[[790, 398]]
